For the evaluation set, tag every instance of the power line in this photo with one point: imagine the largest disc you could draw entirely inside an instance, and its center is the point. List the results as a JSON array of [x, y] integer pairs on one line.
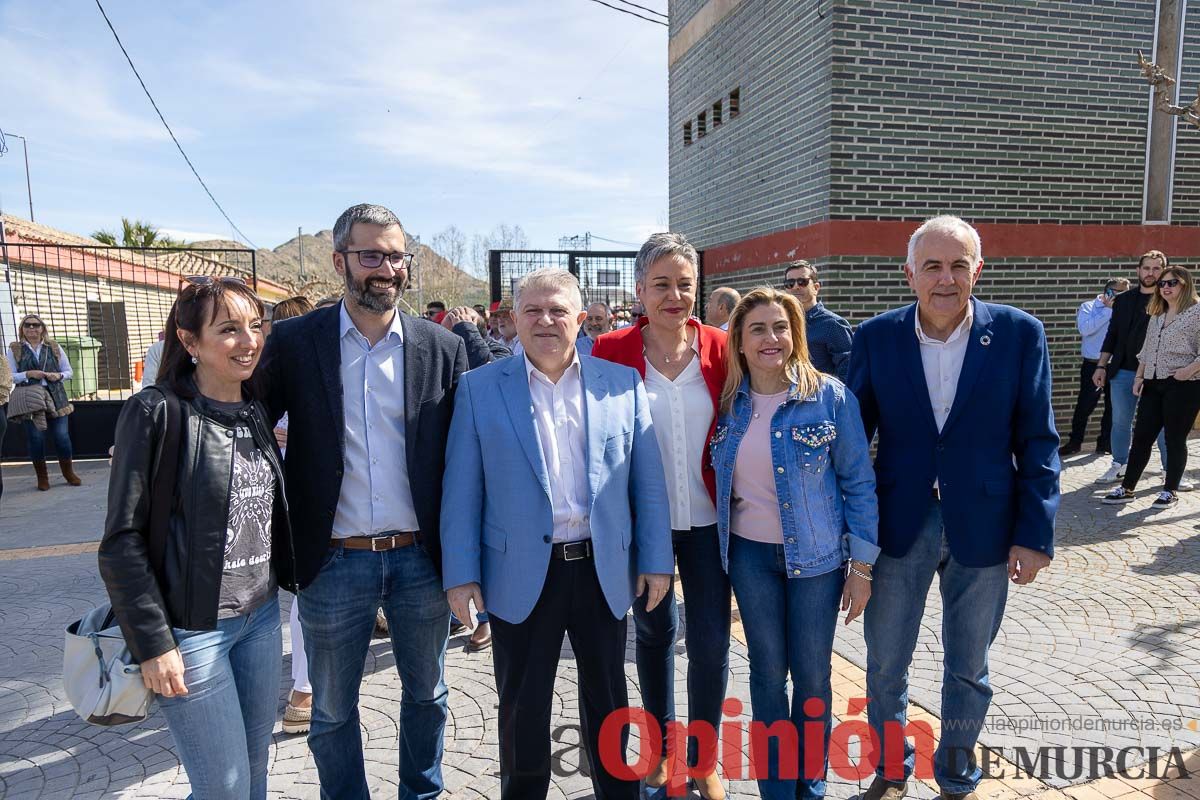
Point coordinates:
[[614, 241], [616, 8], [168, 127], [643, 8]]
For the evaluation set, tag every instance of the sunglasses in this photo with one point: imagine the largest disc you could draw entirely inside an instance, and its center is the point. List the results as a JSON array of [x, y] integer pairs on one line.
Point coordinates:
[[32, 325], [1171, 282], [794, 282], [209, 280]]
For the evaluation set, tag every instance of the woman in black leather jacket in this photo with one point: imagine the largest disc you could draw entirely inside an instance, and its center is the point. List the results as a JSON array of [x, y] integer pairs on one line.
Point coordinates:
[[203, 619]]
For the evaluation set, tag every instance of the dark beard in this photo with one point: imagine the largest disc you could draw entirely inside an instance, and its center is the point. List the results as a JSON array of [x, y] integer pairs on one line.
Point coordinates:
[[1152, 282], [368, 300]]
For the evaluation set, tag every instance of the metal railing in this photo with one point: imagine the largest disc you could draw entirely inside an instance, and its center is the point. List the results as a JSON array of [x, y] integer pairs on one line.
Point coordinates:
[[604, 276]]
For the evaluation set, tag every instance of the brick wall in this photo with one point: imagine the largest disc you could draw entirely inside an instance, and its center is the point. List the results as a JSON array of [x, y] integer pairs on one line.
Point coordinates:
[[768, 169]]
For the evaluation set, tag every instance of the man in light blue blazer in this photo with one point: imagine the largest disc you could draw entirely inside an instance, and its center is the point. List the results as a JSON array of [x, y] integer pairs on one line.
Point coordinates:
[[566, 525], [967, 470]]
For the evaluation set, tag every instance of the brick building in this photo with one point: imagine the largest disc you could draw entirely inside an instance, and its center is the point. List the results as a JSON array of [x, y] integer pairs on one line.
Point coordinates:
[[827, 129]]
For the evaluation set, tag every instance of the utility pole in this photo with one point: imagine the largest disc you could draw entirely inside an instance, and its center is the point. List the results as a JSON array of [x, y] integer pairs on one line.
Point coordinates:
[[28, 184], [300, 241]]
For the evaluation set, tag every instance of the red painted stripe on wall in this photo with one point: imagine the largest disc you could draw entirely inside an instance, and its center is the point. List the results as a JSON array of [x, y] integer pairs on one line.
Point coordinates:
[[889, 238]]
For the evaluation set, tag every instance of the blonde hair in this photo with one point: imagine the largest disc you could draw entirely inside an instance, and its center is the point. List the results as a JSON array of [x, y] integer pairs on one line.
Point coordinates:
[[1187, 292], [798, 369]]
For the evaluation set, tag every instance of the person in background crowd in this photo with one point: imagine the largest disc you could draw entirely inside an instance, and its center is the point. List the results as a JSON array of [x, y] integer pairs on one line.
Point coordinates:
[[433, 308], [368, 392], [204, 622], [1168, 383], [464, 323], [1092, 322], [598, 322], [152, 359], [325, 302], [1118, 363], [552, 542], [967, 476], [829, 336], [483, 320], [38, 361], [5, 390], [297, 715], [720, 305], [798, 520], [683, 366], [506, 326]]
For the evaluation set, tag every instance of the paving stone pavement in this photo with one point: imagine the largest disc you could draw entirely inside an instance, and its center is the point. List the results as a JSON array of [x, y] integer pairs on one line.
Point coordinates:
[[1108, 633]]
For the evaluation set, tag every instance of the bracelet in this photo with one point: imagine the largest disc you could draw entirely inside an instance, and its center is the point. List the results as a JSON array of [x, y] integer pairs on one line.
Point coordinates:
[[864, 575], [1102, 366]]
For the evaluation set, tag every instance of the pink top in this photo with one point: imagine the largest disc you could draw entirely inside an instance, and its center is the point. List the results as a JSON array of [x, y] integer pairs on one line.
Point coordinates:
[[754, 507]]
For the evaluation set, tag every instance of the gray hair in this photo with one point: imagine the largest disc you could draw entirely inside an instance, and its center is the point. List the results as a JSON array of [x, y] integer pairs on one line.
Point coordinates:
[[946, 223], [551, 278], [664, 245], [607, 308], [369, 213]]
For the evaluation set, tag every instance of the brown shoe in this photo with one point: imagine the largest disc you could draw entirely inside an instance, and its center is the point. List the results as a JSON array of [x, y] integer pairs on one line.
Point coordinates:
[[68, 472], [43, 477], [883, 789], [381, 623], [481, 638], [959, 795]]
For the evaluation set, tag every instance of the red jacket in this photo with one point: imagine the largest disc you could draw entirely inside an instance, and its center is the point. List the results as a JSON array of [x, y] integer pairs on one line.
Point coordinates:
[[625, 346]]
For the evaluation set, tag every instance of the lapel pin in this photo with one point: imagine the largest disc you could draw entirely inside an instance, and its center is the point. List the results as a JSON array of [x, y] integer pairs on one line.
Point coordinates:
[[985, 340]]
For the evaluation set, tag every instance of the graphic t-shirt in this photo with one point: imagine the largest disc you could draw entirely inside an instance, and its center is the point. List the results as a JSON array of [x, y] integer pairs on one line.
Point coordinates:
[[247, 581]]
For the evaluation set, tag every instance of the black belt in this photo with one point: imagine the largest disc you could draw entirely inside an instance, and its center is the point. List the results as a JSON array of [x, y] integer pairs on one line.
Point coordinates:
[[572, 551]]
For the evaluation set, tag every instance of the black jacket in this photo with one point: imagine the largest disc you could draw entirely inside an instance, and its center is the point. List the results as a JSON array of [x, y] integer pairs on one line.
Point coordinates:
[[301, 375], [1126, 330], [183, 592], [480, 350]]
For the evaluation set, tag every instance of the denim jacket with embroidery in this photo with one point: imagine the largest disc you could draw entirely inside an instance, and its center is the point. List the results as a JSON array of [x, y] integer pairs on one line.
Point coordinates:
[[823, 477]]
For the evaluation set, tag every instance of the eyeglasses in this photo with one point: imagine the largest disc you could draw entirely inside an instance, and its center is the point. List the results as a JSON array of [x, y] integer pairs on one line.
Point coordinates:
[[1172, 282], [209, 280], [801, 282], [372, 259]]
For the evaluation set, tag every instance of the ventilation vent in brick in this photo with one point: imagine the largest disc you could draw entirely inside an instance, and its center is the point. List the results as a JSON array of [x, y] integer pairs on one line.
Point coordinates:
[[701, 125], [735, 102], [687, 133], [716, 113]]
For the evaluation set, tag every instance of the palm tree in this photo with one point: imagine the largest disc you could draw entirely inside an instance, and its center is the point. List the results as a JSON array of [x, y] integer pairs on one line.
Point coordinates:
[[136, 233]]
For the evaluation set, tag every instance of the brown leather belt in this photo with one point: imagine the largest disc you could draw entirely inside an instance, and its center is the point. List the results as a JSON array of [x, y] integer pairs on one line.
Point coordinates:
[[377, 544]]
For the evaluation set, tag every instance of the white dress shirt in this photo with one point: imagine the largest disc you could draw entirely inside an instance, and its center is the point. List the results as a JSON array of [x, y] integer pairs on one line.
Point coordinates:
[[682, 411], [558, 419], [64, 366], [376, 495], [943, 363]]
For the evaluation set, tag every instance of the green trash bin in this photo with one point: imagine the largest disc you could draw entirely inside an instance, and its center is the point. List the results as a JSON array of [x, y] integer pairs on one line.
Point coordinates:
[[82, 352]]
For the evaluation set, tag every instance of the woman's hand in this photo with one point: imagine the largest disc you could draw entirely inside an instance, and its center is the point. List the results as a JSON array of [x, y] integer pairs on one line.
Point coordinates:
[[53, 377], [164, 674], [1186, 373], [855, 595], [1137, 386], [35, 374]]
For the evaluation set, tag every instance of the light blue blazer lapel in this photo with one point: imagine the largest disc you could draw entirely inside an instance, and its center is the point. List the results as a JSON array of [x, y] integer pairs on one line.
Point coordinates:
[[978, 348], [515, 388], [914, 367], [595, 410]]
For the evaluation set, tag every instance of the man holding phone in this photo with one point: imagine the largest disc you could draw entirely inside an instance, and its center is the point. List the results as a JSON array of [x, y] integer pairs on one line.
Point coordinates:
[[1092, 321]]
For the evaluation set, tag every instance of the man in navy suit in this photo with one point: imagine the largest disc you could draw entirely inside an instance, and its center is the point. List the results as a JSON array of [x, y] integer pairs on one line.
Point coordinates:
[[369, 394], [967, 476], [560, 533]]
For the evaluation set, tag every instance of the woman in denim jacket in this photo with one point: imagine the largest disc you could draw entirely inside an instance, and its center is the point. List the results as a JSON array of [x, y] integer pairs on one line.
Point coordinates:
[[796, 490]]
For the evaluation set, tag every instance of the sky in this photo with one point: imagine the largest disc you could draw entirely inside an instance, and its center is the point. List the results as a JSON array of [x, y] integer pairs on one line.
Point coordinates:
[[548, 114]]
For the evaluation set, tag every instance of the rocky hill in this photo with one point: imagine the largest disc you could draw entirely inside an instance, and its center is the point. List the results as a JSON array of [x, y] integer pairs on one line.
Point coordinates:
[[439, 278]]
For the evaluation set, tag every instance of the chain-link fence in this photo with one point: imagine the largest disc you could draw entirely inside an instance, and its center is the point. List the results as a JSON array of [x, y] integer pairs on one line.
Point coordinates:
[[604, 276]]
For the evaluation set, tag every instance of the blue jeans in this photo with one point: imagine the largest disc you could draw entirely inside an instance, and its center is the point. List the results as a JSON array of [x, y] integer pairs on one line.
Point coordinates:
[[56, 427], [337, 614], [789, 624], [972, 609], [707, 602], [1124, 404], [222, 726]]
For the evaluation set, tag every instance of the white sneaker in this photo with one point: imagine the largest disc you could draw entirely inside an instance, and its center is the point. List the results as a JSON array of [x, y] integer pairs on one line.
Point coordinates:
[[1153, 468], [1114, 474], [1186, 486]]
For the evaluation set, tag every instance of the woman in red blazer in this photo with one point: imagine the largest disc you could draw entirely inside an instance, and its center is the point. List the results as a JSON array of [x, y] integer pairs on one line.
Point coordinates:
[[683, 366]]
